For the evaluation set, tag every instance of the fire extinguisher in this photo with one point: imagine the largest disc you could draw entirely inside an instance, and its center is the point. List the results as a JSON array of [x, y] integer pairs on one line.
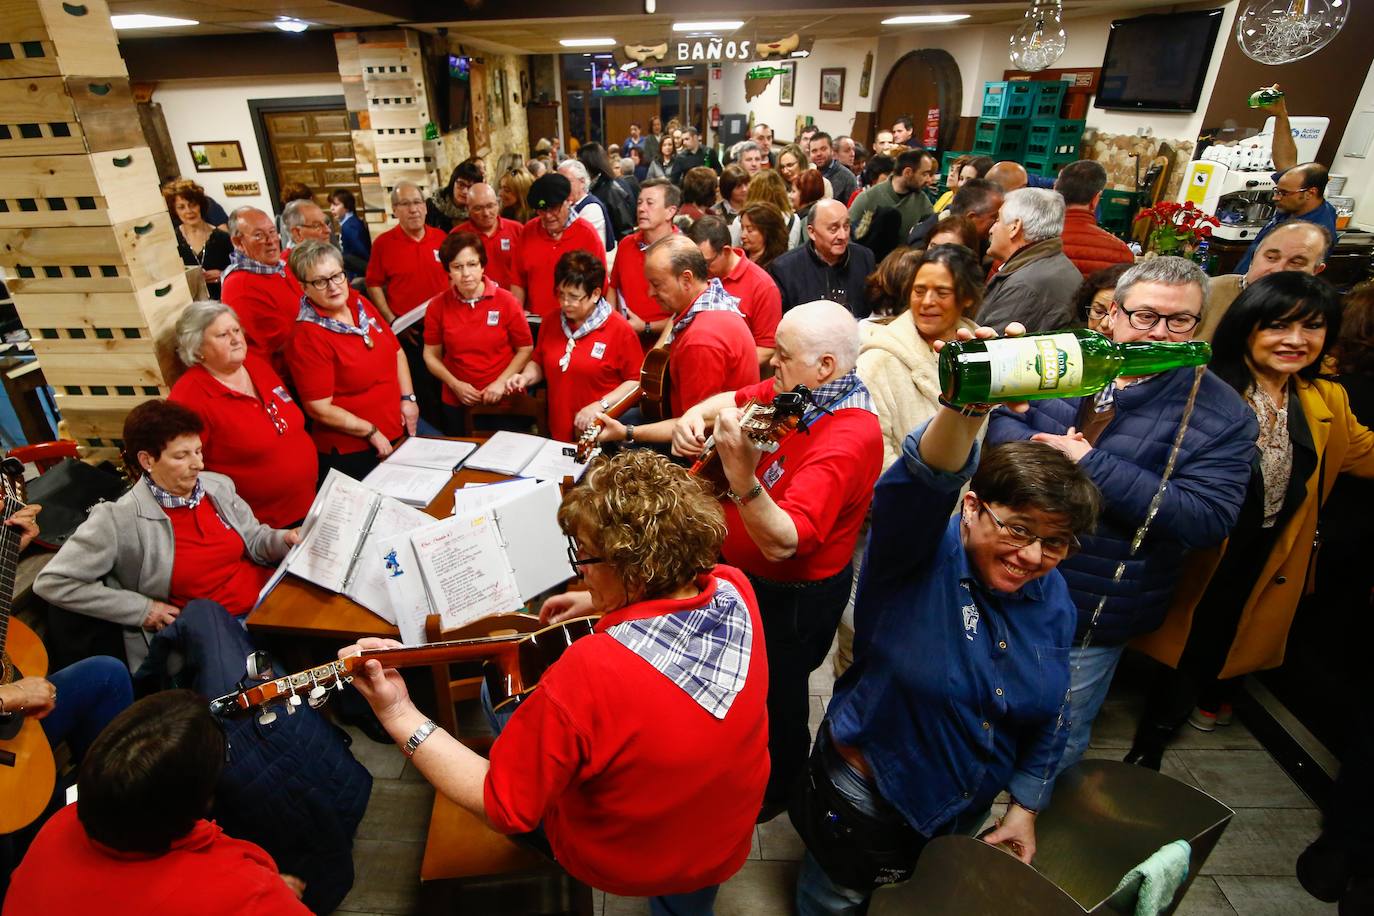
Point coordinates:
[[715, 117]]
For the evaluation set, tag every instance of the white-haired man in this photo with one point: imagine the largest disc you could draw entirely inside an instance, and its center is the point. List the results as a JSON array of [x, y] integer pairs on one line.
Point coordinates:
[[257, 285], [1036, 283], [304, 219], [586, 205], [793, 516]]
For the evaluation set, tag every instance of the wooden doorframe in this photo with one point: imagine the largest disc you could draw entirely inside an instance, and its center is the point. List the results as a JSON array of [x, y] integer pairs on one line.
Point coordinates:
[[258, 109], [946, 68]]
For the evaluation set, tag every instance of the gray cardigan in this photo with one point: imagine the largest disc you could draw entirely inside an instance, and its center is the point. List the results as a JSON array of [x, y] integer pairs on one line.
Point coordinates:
[[120, 559]]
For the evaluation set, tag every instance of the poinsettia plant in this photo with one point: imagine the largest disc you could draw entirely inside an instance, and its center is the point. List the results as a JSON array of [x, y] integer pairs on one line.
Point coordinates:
[[1176, 227]]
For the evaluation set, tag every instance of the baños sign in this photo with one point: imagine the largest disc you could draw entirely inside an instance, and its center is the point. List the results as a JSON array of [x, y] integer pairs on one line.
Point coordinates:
[[711, 50]]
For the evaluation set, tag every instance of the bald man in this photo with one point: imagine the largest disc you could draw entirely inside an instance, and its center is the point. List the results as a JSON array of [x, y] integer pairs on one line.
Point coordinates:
[[1297, 245], [499, 235], [793, 516], [1009, 176], [829, 266]]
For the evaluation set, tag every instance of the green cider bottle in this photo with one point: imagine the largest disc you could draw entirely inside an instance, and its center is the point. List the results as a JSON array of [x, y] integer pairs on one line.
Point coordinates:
[[1063, 364]]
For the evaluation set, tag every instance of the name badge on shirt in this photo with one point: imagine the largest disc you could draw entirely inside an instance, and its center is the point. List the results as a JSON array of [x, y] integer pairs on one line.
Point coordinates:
[[505, 244], [598, 349], [282, 394], [493, 318], [436, 256], [772, 476]]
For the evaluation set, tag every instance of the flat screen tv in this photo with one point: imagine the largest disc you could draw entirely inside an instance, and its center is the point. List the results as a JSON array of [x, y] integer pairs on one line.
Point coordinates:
[[613, 82], [1158, 62]]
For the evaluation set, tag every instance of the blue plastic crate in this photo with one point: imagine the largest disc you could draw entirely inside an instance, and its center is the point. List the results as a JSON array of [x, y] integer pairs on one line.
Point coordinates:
[[1008, 100], [1047, 99], [999, 139], [1054, 137]]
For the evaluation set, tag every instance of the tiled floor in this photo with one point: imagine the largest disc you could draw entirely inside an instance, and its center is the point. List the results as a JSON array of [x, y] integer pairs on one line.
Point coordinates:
[[1249, 874]]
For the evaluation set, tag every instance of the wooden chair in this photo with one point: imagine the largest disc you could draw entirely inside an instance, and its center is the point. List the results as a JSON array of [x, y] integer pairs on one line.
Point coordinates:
[[45, 455], [534, 406], [466, 863]]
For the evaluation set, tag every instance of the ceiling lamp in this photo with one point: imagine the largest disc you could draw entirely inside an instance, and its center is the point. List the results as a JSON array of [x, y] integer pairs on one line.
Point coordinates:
[[287, 24], [1282, 31], [1040, 39], [926, 19], [586, 42], [146, 21]]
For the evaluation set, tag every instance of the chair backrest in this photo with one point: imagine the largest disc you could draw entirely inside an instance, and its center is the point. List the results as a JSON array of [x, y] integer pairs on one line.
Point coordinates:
[[454, 683], [534, 406], [44, 455], [963, 876]]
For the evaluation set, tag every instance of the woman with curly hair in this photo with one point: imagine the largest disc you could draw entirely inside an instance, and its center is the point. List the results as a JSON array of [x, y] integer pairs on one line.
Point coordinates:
[[640, 760], [767, 187], [762, 232]]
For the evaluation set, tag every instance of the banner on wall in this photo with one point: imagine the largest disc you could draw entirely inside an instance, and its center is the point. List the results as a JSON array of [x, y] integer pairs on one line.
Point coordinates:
[[931, 139], [713, 50]]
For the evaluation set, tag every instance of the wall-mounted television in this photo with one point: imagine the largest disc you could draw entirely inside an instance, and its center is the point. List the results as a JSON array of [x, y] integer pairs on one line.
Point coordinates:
[[1158, 62], [613, 82]]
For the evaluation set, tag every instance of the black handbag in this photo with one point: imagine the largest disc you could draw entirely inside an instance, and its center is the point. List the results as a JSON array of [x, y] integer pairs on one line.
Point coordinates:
[[67, 491]]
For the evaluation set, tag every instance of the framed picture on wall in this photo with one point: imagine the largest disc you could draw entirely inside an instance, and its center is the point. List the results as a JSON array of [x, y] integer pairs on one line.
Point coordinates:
[[832, 89], [217, 156], [479, 127], [787, 82]]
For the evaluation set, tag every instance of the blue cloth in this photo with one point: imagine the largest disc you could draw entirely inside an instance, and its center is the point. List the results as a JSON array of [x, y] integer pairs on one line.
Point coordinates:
[[90, 693], [1199, 508], [1325, 215], [355, 241], [1090, 677], [956, 692]]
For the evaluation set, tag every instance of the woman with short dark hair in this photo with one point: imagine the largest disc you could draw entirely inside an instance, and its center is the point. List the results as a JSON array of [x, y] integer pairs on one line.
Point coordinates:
[[734, 188], [762, 233], [590, 356], [1094, 298], [476, 335], [137, 840], [699, 191], [180, 534]]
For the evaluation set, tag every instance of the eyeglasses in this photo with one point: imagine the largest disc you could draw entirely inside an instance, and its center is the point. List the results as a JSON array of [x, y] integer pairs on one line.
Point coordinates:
[[577, 563], [323, 283], [1098, 312], [315, 226], [1283, 192], [1056, 548], [572, 297], [400, 204], [1146, 319]]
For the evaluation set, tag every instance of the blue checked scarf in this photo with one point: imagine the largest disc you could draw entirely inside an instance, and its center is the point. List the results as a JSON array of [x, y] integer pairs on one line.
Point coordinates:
[[595, 320], [240, 261], [704, 651], [715, 299], [309, 314], [838, 394], [168, 500]]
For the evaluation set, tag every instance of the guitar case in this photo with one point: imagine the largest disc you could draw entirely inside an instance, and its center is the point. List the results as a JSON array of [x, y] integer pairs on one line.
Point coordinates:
[[67, 491]]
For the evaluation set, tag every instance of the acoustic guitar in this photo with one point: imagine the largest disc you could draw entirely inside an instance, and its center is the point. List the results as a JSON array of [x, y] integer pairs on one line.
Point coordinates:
[[654, 385], [765, 424], [513, 666], [27, 770], [587, 447]]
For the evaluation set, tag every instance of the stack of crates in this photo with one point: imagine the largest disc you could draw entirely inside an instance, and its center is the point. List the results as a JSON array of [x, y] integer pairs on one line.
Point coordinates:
[[1001, 130], [86, 243], [1051, 141]]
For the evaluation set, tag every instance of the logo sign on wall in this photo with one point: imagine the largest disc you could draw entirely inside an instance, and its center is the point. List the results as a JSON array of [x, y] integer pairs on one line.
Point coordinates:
[[712, 50]]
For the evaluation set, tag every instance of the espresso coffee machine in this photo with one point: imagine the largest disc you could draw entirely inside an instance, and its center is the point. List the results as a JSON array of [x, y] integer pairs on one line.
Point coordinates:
[[1234, 182]]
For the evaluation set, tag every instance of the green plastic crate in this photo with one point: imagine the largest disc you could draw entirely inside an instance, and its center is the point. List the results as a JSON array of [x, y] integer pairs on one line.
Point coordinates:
[[1054, 137], [999, 139], [1116, 211], [1007, 100], [947, 160], [1047, 166], [1047, 99]]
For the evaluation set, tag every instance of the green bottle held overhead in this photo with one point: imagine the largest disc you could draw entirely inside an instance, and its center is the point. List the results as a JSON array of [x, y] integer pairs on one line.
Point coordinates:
[[1065, 364], [1266, 96]]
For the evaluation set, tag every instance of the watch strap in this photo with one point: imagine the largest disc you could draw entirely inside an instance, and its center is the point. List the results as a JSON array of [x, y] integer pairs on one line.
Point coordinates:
[[418, 737], [747, 498]]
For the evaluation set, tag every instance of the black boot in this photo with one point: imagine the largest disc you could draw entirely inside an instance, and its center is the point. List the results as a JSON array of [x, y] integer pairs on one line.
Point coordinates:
[[1324, 869], [1147, 750]]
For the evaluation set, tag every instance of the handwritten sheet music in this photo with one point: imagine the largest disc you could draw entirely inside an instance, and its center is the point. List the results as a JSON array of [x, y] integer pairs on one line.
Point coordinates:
[[328, 547], [465, 570]]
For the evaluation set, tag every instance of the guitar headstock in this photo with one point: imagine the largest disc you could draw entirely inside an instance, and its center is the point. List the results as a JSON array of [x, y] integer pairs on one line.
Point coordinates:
[[12, 480], [311, 686], [587, 448]]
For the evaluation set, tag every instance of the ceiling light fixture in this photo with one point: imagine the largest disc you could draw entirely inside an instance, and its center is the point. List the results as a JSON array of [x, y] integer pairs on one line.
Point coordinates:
[[728, 25], [147, 21], [926, 19], [586, 42], [1040, 39], [1282, 31], [287, 24]]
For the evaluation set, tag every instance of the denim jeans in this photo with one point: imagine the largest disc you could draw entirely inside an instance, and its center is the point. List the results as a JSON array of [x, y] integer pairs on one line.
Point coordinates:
[[90, 693], [1090, 677]]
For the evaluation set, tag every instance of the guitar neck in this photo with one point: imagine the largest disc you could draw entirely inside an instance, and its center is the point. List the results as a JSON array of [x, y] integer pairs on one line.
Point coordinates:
[[9, 565]]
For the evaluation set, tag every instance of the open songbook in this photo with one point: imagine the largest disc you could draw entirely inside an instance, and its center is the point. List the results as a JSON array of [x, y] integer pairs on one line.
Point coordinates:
[[481, 562], [523, 455], [419, 469]]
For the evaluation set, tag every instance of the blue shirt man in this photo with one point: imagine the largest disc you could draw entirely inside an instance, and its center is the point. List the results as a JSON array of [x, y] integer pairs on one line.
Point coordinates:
[[1298, 194]]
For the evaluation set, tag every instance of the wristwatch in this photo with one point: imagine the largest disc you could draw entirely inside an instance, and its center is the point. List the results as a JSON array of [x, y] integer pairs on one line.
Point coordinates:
[[605, 405], [629, 432], [747, 498], [418, 737], [409, 397]]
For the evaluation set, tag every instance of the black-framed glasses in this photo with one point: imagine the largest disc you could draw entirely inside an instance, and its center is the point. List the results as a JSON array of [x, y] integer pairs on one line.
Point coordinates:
[[1146, 319], [578, 563], [323, 283], [1056, 548]]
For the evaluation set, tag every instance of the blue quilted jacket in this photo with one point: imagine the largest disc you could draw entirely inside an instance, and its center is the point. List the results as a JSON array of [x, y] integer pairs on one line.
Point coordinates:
[[1200, 504]]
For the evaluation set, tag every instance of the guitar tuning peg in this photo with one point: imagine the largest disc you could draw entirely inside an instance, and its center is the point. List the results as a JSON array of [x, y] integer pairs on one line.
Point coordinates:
[[317, 691], [293, 702], [317, 701], [267, 717]]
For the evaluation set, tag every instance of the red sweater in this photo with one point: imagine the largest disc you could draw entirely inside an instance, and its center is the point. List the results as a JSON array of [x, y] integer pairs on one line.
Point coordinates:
[[716, 353], [209, 560], [1088, 245], [205, 872], [823, 480], [599, 363], [640, 790], [759, 299], [627, 276], [260, 443]]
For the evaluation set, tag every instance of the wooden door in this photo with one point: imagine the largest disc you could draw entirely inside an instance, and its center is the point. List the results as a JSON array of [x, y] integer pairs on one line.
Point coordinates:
[[314, 148], [621, 111], [920, 81]]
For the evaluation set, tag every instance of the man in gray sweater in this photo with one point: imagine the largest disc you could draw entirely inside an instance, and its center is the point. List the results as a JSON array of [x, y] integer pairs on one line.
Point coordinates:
[[1036, 282]]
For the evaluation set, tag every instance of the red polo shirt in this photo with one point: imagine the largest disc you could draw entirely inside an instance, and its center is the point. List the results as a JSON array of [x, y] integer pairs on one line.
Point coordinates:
[[759, 299], [627, 276], [209, 560], [363, 381], [600, 361], [537, 256], [408, 271], [824, 481], [640, 790], [716, 353], [501, 248], [267, 306], [260, 443], [478, 340]]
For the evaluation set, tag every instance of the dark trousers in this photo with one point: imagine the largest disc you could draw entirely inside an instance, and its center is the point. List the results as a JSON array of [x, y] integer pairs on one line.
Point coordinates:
[[455, 422], [355, 464], [799, 622], [428, 389]]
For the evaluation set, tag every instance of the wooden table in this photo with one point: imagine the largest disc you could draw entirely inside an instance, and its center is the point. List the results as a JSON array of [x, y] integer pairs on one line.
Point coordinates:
[[298, 609]]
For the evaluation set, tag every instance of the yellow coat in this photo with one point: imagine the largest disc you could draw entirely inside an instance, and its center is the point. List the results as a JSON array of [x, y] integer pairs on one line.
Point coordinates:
[[1262, 635]]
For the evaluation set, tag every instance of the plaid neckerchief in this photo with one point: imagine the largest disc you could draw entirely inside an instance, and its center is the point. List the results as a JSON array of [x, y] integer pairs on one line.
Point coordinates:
[[168, 500], [308, 314], [240, 261], [595, 320], [704, 651], [838, 394], [715, 299]]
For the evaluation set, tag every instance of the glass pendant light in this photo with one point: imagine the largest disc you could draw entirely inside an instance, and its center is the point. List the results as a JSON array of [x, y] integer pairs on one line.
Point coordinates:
[[1282, 31], [1040, 39]]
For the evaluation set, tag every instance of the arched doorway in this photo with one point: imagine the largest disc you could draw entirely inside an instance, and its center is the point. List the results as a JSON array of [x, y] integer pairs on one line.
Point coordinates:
[[920, 81]]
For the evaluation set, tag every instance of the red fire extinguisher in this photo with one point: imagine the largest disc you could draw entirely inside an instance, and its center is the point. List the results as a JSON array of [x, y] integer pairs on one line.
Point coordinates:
[[715, 117]]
